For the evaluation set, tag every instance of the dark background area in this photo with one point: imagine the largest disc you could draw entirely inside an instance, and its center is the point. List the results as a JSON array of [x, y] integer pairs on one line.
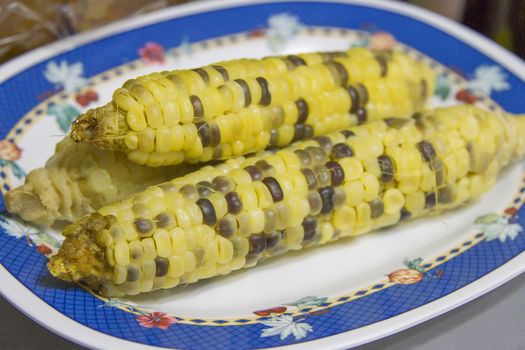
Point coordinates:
[[26, 24]]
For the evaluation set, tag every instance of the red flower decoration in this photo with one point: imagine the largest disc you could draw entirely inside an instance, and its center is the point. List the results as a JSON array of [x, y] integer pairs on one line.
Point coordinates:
[[319, 312], [44, 249], [86, 98], [268, 312], [152, 53], [382, 41], [466, 96], [406, 276], [9, 151], [257, 33], [156, 320], [511, 211]]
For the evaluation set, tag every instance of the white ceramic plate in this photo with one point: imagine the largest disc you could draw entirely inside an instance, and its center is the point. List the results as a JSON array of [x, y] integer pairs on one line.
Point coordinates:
[[337, 296]]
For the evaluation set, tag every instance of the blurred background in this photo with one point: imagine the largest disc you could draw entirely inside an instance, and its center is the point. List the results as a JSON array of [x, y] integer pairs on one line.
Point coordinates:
[[26, 24]]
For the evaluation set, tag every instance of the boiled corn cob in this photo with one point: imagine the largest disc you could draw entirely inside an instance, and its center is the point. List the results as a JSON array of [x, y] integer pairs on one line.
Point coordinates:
[[242, 106], [79, 179], [307, 194]]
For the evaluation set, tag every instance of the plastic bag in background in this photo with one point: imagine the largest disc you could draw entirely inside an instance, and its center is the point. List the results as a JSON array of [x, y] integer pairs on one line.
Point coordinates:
[[27, 24]]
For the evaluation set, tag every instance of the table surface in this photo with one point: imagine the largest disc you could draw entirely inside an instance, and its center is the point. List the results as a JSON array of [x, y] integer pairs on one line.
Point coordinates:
[[492, 321]]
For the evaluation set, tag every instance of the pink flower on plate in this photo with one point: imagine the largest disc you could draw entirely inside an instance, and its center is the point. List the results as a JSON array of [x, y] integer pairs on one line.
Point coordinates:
[[9, 151], [406, 276], [159, 320], [152, 53], [382, 41]]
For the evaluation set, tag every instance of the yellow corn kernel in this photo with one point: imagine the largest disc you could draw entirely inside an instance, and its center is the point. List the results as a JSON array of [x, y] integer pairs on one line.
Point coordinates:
[[327, 232], [176, 266], [469, 127], [194, 213], [386, 220], [141, 94], [371, 186], [170, 113], [150, 251], [344, 219], [148, 270], [393, 200], [154, 116], [290, 113], [277, 163], [169, 282], [131, 140], [147, 140], [130, 232], [136, 119], [190, 136], [219, 204], [211, 252], [462, 162], [462, 191], [225, 250], [162, 243], [415, 202], [363, 215], [174, 200], [163, 139], [177, 138], [476, 187], [178, 241], [409, 181], [294, 237], [450, 168], [290, 159], [263, 195], [298, 182], [240, 176], [352, 167], [119, 274], [248, 196], [237, 147], [123, 100], [122, 253], [256, 220], [189, 261], [110, 255], [355, 193], [104, 238], [183, 218]]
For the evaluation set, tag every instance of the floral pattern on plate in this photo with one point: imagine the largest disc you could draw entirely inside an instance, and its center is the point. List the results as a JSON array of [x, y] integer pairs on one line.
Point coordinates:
[[9, 154], [291, 321]]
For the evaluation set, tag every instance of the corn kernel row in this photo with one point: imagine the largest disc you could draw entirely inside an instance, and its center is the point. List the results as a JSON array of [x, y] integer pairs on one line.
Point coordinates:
[[347, 183], [240, 106]]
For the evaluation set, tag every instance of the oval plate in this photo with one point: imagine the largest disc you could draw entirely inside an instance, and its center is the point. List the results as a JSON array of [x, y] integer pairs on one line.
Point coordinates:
[[337, 296]]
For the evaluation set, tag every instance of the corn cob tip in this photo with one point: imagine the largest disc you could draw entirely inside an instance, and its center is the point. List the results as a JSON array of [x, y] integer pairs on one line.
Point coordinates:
[[80, 259], [25, 202], [104, 127]]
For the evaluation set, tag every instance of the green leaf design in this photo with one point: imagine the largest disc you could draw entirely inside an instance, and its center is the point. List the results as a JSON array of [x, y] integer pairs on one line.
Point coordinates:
[[487, 219], [414, 264], [364, 42], [17, 171], [442, 87], [276, 43], [308, 301], [64, 115], [42, 237]]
